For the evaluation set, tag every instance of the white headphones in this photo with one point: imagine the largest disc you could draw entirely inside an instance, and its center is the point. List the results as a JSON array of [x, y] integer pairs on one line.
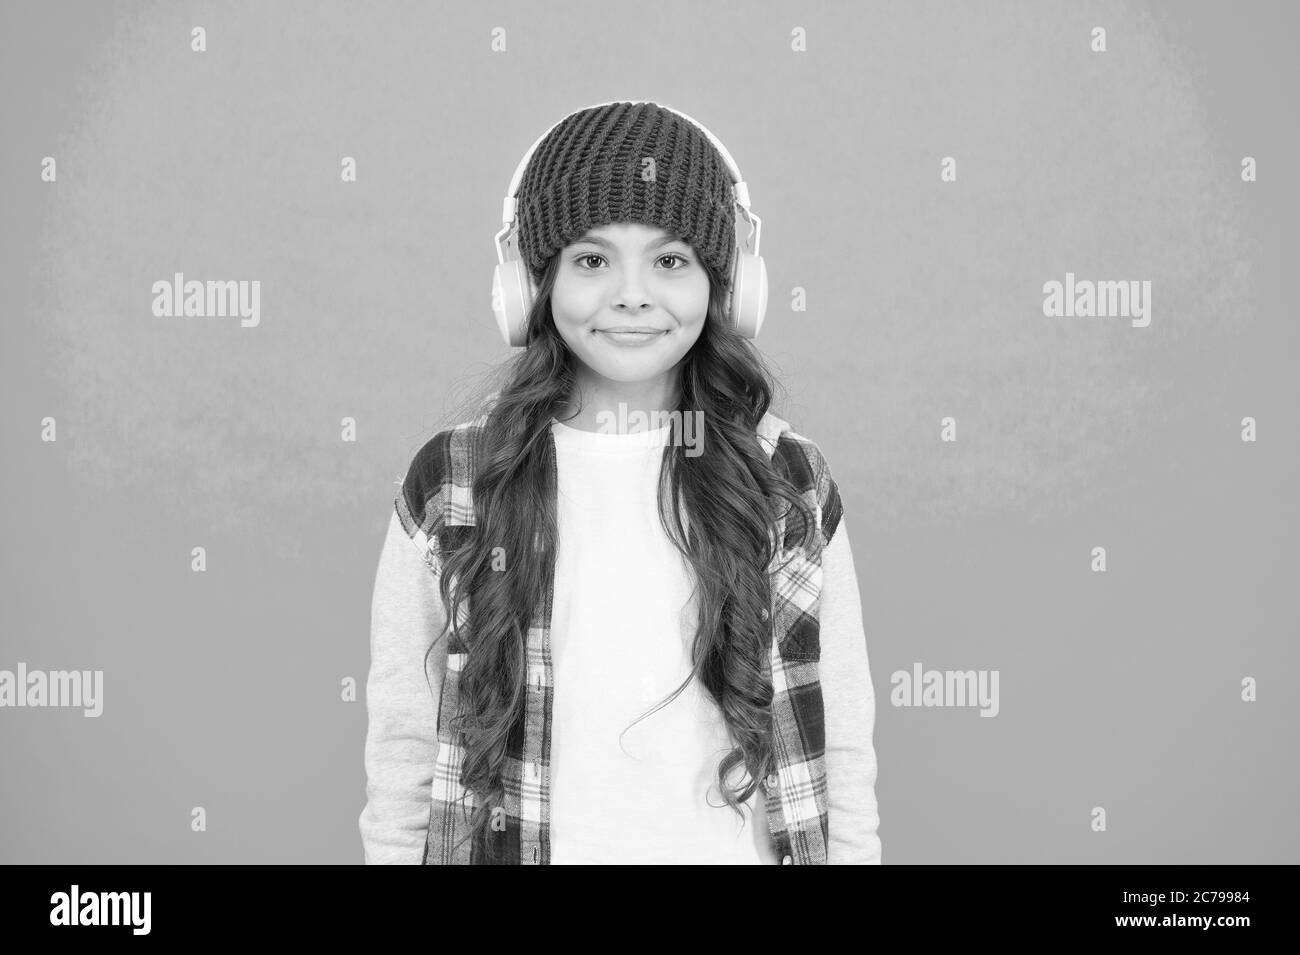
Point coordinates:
[[513, 291]]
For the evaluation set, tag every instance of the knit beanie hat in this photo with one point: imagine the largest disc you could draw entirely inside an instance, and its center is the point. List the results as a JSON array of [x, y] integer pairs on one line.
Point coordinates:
[[591, 170]]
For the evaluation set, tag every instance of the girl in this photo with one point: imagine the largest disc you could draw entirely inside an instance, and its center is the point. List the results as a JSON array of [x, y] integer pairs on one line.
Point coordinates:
[[550, 574]]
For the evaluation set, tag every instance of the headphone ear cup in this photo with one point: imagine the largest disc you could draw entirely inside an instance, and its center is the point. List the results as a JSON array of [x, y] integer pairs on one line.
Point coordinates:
[[748, 298], [512, 296]]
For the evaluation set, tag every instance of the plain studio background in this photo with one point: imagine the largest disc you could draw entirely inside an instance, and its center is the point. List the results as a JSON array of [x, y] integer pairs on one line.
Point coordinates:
[[223, 689]]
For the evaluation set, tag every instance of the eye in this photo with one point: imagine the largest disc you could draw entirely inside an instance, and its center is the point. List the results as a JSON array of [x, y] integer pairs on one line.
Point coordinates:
[[582, 260]]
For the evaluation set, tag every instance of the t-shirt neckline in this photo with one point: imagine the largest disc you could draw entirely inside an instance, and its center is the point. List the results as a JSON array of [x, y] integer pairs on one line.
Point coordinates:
[[572, 437]]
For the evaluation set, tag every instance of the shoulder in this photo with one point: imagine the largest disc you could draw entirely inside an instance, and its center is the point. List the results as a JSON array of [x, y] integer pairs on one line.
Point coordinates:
[[437, 482], [802, 461]]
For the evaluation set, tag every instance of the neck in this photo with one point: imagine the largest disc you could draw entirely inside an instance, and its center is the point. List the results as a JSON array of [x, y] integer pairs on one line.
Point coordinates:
[[621, 401]]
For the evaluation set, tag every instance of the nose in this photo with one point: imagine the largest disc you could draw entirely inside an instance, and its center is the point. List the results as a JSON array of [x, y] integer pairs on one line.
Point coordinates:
[[632, 293]]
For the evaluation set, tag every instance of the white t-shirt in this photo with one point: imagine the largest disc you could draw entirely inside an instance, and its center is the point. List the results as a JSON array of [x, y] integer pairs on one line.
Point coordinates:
[[622, 624]]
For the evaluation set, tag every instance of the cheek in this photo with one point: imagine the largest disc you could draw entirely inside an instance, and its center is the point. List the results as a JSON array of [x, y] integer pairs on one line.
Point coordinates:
[[690, 300], [692, 315], [574, 303]]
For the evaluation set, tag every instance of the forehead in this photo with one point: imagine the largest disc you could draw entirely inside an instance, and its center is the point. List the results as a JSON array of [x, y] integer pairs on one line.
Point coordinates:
[[627, 232]]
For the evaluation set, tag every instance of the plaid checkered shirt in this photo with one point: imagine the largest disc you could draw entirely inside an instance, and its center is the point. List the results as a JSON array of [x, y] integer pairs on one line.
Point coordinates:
[[436, 509]]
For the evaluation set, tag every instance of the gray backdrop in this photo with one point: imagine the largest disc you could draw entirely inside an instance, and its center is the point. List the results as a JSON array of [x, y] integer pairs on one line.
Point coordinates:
[[222, 689]]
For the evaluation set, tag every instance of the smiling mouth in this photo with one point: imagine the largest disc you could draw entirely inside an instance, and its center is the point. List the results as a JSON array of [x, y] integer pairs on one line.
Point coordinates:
[[634, 339]]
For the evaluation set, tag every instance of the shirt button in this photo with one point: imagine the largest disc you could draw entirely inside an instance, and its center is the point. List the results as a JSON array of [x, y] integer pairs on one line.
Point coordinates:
[[765, 613], [787, 861], [772, 780]]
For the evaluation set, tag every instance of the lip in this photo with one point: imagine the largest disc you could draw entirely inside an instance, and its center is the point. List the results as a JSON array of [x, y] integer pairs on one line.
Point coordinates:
[[632, 338]]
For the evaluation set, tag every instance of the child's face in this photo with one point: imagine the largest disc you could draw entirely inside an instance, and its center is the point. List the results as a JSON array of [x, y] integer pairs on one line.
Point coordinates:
[[637, 277]]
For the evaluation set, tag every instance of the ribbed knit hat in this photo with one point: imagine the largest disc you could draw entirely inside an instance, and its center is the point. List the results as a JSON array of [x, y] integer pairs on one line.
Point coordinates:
[[588, 171]]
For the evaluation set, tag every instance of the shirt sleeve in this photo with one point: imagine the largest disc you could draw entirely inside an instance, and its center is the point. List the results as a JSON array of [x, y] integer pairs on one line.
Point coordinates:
[[401, 703], [850, 707]]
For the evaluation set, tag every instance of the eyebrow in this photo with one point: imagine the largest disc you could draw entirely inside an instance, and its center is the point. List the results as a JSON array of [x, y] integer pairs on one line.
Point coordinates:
[[597, 240]]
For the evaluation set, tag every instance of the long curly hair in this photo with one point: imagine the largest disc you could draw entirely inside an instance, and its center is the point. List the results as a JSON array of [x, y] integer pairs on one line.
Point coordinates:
[[729, 495]]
